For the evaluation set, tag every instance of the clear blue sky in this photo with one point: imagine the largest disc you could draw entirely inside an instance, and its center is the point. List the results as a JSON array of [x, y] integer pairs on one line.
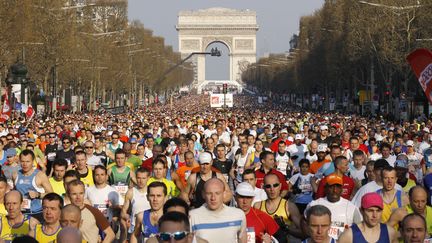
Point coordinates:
[[278, 19]]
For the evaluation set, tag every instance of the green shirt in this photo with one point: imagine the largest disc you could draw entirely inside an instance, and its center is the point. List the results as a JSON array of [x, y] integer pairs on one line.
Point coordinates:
[[135, 160]]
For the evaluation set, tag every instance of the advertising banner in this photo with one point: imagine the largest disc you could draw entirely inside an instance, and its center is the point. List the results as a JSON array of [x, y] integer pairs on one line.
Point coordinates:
[[217, 100]]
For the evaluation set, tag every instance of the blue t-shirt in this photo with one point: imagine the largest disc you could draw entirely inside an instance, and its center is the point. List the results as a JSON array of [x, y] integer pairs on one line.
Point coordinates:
[[427, 181]]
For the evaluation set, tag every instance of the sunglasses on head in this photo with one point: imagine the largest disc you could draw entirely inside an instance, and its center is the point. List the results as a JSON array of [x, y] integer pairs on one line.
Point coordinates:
[[165, 236], [268, 186]]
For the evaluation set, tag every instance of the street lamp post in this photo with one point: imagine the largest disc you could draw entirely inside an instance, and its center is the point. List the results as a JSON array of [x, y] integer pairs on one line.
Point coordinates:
[[17, 75]]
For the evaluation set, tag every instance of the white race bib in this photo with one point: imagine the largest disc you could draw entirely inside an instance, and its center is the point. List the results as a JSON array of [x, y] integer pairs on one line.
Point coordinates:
[[102, 208], [250, 235], [334, 232], [121, 189], [26, 204]]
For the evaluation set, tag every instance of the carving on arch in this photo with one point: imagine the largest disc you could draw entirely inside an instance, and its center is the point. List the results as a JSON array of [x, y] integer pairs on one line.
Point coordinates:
[[226, 40], [190, 44], [243, 65]]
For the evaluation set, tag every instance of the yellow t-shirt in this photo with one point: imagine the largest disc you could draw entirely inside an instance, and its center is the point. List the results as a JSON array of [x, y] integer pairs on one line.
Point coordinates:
[[3, 211], [171, 187], [88, 180], [58, 186], [40, 236], [8, 233]]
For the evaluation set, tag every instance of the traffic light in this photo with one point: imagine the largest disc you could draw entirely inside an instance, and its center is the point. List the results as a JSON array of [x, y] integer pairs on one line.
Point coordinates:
[[225, 88]]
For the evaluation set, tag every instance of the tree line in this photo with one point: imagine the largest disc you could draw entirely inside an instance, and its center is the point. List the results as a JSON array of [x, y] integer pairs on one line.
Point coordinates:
[[347, 46], [88, 46]]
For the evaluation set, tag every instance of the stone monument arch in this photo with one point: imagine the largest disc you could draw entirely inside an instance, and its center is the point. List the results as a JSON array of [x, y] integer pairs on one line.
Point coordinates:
[[234, 28]]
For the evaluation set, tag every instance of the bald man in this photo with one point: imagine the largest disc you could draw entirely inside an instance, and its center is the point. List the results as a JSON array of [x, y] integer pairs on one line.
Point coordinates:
[[216, 222], [71, 216], [69, 235], [417, 204], [22, 223]]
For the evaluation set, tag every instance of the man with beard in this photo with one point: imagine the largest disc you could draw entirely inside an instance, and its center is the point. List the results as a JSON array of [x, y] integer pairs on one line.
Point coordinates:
[[321, 154], [370, 230]]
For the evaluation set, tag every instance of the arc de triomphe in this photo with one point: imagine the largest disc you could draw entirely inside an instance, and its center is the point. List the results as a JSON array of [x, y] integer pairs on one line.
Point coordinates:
[[234, 28]]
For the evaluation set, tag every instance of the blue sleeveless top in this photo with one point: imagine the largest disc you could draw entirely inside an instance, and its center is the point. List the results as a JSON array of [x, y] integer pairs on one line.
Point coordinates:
[[25, 184], [331, 240], [358, 236], [147, 228]]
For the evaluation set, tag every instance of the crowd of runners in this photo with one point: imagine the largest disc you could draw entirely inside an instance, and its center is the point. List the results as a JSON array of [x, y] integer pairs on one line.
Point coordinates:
[[189, 173]]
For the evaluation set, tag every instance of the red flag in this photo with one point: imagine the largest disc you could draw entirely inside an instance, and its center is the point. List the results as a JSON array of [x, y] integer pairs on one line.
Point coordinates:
[[6, 110], [30, 112], [421, 63]]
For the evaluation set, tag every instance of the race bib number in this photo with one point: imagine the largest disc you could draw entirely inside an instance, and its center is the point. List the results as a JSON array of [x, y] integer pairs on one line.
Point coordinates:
[[334, 232], [10, 183], [121, 189], [250, 235], [26, 204], [187, 174], [102, 208]]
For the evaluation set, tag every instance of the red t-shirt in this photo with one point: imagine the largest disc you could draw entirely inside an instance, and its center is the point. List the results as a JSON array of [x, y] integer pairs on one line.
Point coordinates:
[[275, 145], [260, 178], [148, 164], [261, 222], [347, 188]]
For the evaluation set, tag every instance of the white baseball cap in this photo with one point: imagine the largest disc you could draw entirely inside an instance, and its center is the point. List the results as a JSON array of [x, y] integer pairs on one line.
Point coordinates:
[[324, 127], [298, 137], [410, 143], [245, 189], [205, 158]]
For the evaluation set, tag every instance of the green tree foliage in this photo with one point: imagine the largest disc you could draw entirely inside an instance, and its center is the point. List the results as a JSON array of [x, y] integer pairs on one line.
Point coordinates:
[[92, 46], [340, 44]]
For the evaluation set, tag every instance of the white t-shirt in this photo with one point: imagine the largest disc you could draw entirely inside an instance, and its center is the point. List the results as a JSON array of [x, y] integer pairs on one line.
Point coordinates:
[[343, 213], [282, 162], [94, 160], [224, 225], [101, 197], [358, 174], [298, 151], [391, 159]]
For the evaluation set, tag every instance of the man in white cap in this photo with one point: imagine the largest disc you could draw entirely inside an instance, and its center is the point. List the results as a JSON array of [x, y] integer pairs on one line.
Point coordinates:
[[297, 150], [192, 194], [324, 135], [261, 227], [283, 136]]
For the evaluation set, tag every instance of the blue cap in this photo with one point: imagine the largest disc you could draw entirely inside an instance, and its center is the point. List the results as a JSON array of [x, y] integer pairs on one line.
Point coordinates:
[[401, 163], [132, 140], [397, 144], [10, 152]]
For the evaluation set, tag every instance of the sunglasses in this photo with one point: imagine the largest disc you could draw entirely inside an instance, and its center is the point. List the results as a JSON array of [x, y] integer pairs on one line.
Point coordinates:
[[66, 142], [88, 147], [268, 186], [165, 236]]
